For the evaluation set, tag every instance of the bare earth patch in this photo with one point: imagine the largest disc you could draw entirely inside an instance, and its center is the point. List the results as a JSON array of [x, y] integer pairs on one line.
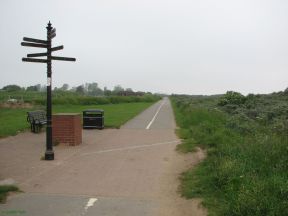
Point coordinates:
[[16, 105], [173, 204]]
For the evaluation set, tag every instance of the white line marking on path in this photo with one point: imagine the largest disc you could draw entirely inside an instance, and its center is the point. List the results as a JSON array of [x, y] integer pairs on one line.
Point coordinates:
[[90, 203], [154, 117], [131, 147]]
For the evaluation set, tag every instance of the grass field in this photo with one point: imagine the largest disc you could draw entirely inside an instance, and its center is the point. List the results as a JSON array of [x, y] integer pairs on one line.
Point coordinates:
[[14, 121], [115, 114], [246, 139]]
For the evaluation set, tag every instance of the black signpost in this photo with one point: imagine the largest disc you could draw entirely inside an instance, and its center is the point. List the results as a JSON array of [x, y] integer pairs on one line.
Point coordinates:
[[31, 42]]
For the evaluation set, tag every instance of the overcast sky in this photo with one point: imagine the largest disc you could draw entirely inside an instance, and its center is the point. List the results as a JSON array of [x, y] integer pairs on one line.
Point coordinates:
[[167, 46]]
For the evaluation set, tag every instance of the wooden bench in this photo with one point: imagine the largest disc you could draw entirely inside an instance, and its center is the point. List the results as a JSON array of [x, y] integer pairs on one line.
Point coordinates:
[[36, 119]]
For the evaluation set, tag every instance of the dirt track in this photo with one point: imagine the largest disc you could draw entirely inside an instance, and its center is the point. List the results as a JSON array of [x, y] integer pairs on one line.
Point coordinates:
[[130, 171]]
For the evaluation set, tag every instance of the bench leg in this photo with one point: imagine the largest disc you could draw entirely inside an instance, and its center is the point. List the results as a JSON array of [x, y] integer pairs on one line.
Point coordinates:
[[33, 128], [37, 129]]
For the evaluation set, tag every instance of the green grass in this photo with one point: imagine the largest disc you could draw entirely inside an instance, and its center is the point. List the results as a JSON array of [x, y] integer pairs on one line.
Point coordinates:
[[246, 169], [4, 190], [14, 121], [114, 114]]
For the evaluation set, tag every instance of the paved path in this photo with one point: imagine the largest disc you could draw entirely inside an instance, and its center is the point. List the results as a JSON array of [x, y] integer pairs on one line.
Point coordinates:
[[129, 171]]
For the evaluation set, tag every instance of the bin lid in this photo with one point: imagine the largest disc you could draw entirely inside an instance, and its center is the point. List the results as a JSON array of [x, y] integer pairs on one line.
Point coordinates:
[[93, 110]]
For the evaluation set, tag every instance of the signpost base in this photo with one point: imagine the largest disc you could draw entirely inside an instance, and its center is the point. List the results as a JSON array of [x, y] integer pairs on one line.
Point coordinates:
[[49, 155]]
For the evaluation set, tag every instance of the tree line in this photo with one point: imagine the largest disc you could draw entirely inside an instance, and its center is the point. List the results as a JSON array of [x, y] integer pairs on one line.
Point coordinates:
[[88, 89]]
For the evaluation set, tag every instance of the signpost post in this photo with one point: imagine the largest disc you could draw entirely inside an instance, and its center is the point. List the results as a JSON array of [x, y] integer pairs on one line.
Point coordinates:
[[31, 42]]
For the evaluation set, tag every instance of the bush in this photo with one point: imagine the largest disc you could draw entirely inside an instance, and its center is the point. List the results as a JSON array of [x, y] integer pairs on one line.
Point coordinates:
[[88, 100], [245, 172], [231, 97], [67, 97]]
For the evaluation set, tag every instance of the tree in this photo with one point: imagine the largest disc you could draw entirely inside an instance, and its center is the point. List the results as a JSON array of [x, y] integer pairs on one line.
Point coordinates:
[[32, 88], [93, 89], [11, 88], [107, 92], [118, 88], [65, 87], [80, 90]]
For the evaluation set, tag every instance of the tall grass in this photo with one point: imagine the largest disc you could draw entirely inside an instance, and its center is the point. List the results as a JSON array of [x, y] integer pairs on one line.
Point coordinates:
[[246, 169], [72, 98]]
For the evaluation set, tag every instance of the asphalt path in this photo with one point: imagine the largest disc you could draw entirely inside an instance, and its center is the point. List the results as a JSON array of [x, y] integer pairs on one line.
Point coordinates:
[[114, 172]]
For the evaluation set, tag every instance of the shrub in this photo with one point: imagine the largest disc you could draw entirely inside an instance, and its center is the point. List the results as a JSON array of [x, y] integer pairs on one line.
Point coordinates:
[[232, 97], [245, 172]]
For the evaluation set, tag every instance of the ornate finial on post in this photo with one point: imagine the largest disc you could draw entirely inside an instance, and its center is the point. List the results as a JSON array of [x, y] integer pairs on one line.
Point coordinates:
[[49, 26]]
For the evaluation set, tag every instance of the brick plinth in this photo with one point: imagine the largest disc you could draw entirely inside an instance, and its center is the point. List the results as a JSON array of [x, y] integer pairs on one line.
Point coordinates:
[[67, 129]]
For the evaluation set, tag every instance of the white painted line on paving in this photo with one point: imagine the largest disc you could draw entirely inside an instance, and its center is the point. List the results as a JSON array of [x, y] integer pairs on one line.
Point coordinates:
[[131, 147], [154, 117], [90, 203]]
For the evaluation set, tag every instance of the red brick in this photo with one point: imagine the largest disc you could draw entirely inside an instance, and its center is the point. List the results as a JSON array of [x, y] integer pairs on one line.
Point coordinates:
[[66, 128]]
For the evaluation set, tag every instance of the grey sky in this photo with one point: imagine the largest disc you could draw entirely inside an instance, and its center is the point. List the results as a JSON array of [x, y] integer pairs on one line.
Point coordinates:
[[169, 46]]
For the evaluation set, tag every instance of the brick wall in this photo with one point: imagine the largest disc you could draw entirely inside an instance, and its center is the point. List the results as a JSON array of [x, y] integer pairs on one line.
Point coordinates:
[[67, 129]]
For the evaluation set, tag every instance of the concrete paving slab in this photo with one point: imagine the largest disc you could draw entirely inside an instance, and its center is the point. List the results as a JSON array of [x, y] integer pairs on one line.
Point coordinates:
[[58, 204], [130, 171]]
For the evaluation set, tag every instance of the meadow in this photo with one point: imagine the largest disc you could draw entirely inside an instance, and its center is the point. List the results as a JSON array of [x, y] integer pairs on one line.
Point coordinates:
[[246, 141]]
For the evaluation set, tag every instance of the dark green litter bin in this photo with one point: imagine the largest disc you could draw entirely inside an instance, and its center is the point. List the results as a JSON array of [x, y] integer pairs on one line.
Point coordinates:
[[93, 119]]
